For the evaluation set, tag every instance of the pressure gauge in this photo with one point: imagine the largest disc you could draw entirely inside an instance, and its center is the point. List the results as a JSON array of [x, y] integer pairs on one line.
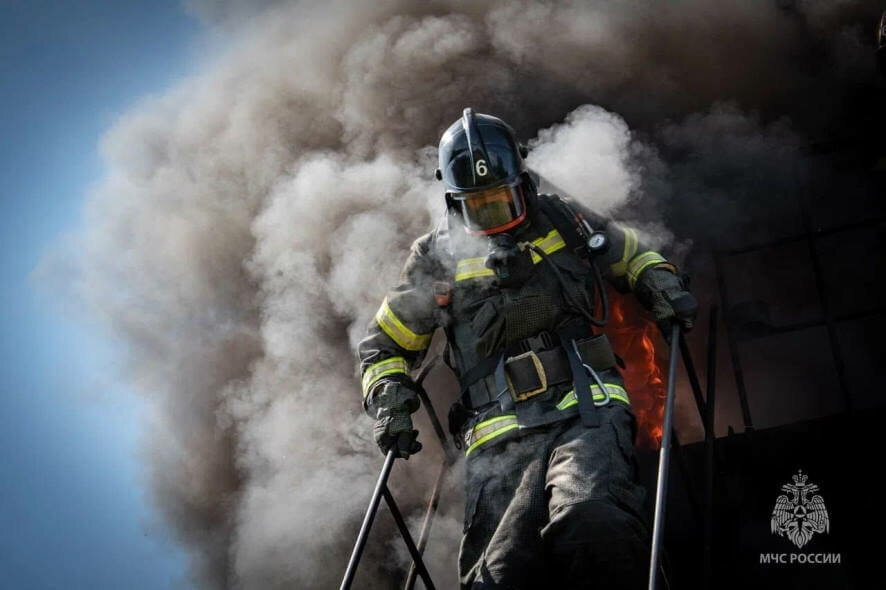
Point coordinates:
[[598, 243]]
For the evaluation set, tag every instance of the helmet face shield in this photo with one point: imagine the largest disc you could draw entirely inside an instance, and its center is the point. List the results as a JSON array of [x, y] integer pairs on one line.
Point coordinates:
[[492, 210]]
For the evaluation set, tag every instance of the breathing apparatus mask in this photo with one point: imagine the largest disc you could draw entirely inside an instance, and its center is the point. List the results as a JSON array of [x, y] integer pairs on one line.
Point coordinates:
[[511, 264]]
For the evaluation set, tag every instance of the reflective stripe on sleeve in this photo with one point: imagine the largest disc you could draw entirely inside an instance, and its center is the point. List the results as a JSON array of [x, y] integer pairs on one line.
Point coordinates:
[[640, 262], [488, 430], [548, 244], [620, 268], [471, 268], [395, 364], [615, 392], [399, 333]]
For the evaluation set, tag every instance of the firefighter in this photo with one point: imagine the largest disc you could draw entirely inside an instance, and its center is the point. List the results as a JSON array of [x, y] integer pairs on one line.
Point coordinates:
[[514, 279]]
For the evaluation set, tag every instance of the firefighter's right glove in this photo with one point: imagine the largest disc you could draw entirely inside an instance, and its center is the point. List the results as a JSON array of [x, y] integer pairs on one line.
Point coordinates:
[[665, 294], [392, 407]]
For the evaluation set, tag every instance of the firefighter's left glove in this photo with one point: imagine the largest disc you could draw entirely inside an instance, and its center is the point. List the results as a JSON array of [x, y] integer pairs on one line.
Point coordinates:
[[666, 295], [392, 407]]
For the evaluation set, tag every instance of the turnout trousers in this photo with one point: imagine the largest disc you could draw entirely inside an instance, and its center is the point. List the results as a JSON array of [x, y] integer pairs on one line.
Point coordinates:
[[557, 507]]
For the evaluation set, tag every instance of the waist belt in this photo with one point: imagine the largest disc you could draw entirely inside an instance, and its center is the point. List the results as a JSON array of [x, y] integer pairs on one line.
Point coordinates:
[[533, 372]]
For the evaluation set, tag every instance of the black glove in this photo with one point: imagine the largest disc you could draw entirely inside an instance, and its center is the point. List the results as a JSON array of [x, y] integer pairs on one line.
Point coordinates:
[[666, 296], [392, 407]]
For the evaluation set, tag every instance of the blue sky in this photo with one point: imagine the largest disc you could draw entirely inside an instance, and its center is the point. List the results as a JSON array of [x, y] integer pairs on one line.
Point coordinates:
[[74, 510]]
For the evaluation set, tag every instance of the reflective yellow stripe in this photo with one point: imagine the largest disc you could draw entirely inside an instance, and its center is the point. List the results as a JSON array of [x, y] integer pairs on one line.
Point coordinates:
[[471, 268], [620, 268], [395, 364], [615, 392], [548, 244], [489, 429], [398, 332], [639, 263]]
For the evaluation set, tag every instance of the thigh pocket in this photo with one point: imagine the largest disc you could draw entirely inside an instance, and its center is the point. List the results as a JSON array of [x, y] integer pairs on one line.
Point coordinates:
[[623, 484], [470, 553], [476, 479], [472, 501]]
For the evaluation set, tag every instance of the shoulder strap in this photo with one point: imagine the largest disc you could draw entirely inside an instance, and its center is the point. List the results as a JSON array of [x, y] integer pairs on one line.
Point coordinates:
[[567, 222], [441, 246]]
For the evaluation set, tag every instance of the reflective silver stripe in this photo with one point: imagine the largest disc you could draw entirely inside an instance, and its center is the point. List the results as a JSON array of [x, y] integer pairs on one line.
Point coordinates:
[[471, 268], [639, 263], [397, 330], [395, 364], [620, 268], [615, 392], [488, 430], [548, 244]]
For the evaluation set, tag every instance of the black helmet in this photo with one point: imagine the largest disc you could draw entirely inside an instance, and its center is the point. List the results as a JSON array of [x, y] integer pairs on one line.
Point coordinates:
[[482, 165]]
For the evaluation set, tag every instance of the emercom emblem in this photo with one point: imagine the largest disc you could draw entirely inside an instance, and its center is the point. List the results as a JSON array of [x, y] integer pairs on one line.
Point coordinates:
[[798, 517]]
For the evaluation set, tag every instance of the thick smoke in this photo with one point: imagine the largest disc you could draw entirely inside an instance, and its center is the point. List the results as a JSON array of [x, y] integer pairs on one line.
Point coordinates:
[[251, 220]]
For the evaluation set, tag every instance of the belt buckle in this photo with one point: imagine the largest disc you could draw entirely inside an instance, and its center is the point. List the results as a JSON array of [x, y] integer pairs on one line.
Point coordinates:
[[540, 371]]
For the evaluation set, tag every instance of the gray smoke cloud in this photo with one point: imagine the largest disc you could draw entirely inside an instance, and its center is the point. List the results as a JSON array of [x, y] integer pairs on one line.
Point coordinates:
[[251, 219]]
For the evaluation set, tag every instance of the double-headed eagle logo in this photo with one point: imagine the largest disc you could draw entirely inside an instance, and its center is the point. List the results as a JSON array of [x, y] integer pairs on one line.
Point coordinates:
[[798, 517]]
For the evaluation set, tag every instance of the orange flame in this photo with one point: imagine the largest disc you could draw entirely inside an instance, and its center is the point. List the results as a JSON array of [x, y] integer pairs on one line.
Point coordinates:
[[632, 336]]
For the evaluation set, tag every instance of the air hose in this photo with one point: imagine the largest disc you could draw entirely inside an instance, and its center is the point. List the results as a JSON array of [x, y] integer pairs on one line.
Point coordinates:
[[585, 310]]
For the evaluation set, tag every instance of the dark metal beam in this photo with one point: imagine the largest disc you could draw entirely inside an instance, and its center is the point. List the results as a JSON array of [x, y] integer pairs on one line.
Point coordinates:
[[693, 379], [847, 317], [407, 538], [836, 347], [733, 345], [709, 441], [380, 486], [806, 235], [431, 511]]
